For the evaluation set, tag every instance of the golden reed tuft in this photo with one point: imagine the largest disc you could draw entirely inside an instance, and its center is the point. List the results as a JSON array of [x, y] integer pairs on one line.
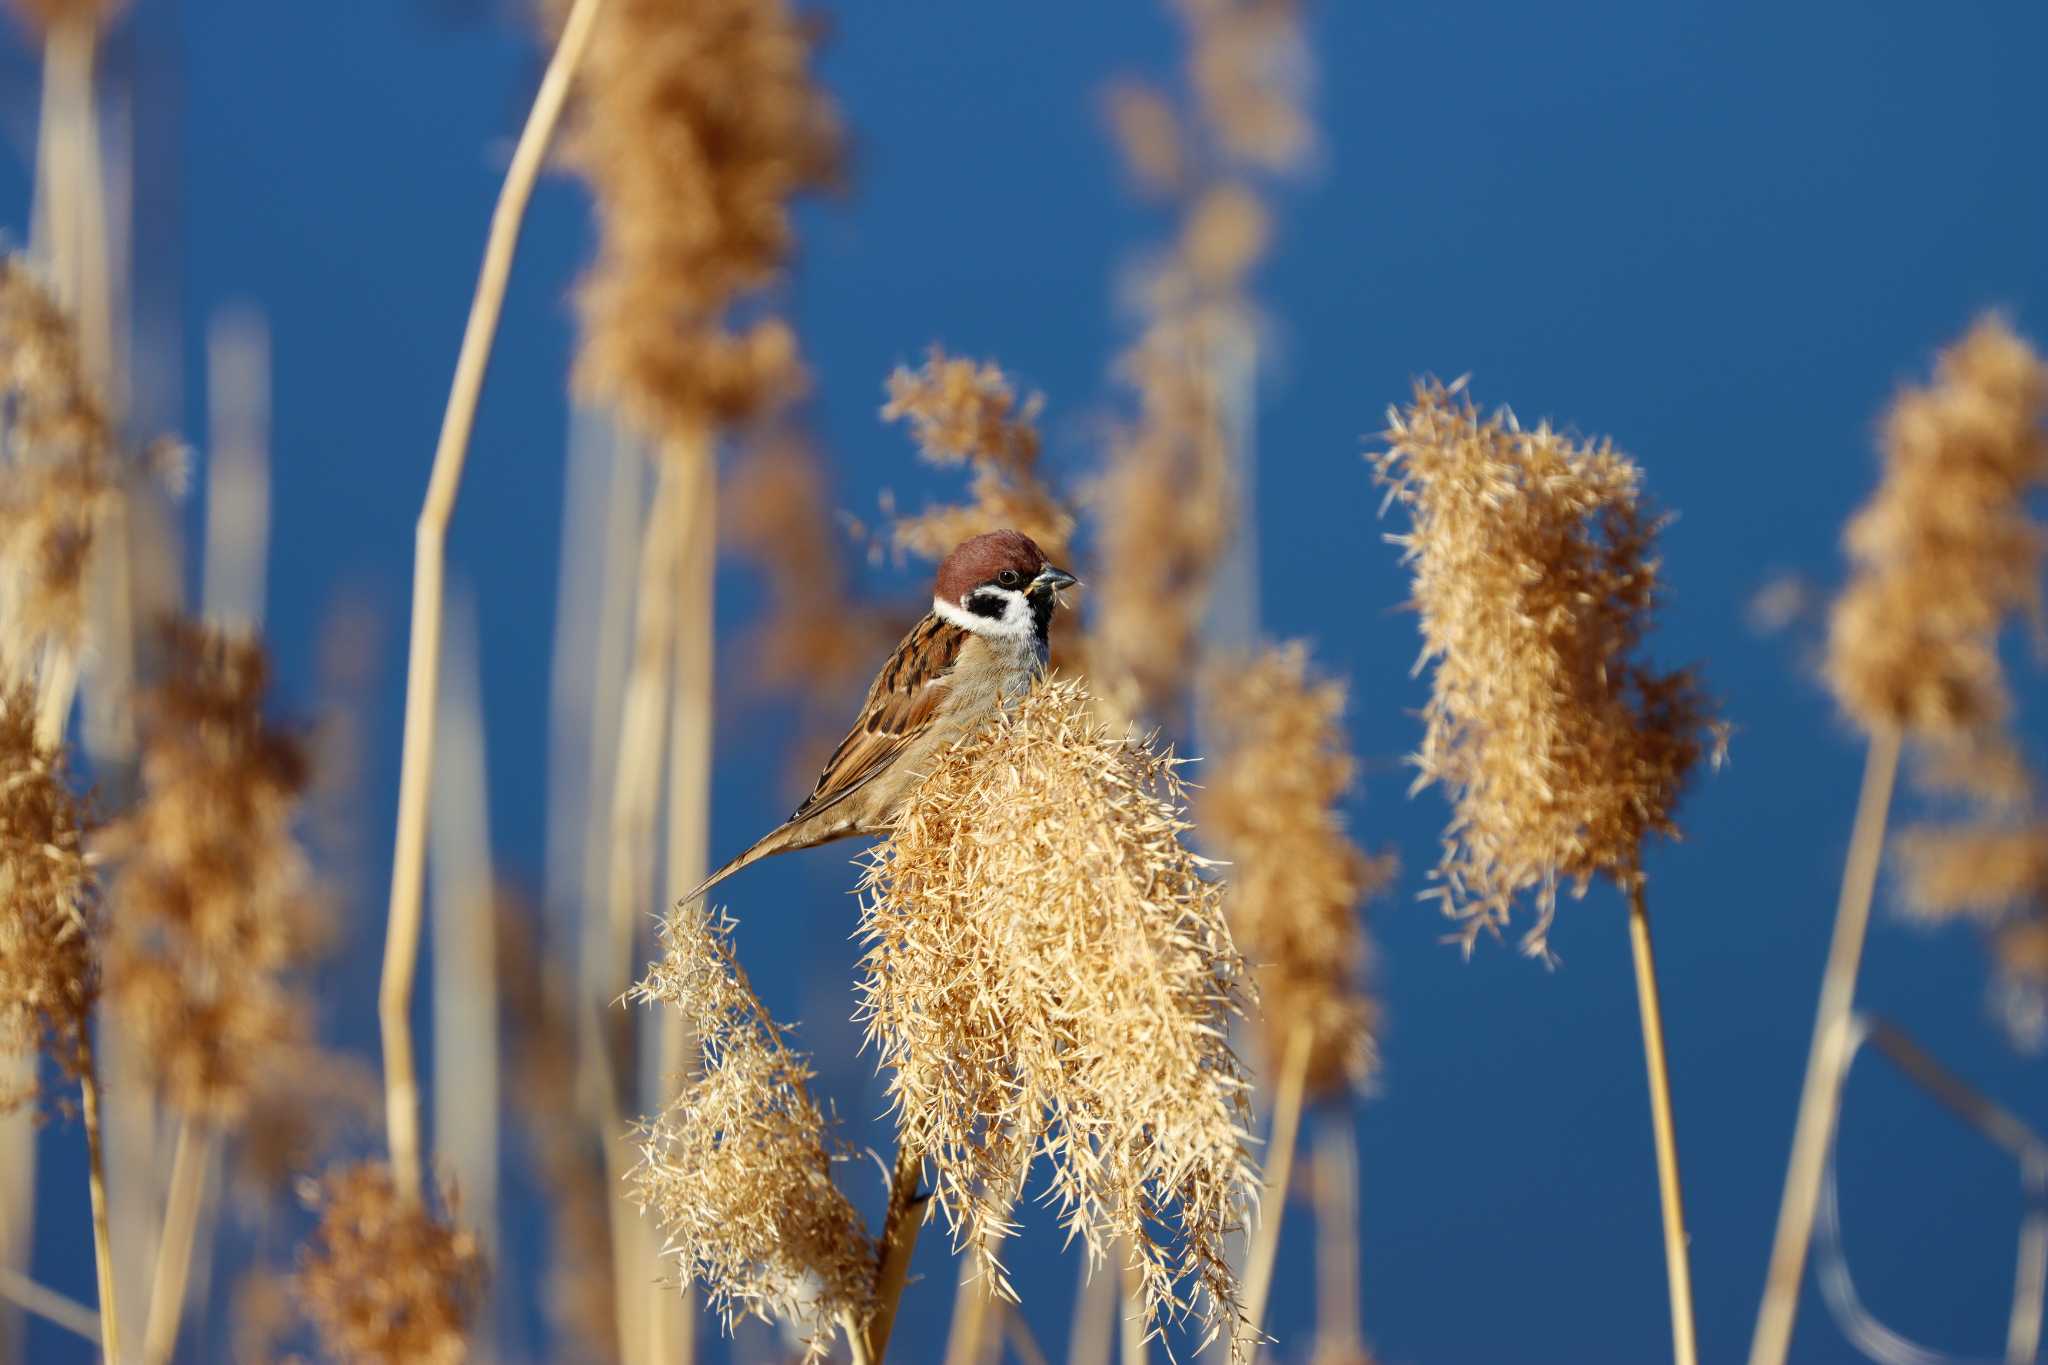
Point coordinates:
[[695, 126], [49, 903], [1048, 971], [738, 1168], [57, 450], [1271, 808], [214, 904], [963, 413], [1945, 551], [1535, 581], [385, 1281]]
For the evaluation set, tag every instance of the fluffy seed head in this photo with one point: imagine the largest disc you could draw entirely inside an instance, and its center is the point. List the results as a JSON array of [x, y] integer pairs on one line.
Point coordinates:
[[386, 1280], [1945, 551], [1249, 68], [1535, 582], [738, 1169], [1048, 971], [49, 975], [963, 413], [1270, 807], [697, 125]]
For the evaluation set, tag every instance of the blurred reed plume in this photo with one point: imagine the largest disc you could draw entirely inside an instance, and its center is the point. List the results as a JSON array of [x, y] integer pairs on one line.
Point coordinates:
[[57, 450], [1270, 807], [738, 1168], [214, 903], [695, 128], [1048, 971], [1946, 552], [1248, 66], [1535, 581], [386, 1280], [1558, 746], [49, 905], [960, 412], [44, 15]]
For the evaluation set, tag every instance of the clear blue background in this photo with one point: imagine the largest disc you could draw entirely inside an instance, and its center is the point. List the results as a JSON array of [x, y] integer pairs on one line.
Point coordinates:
[[1721, 233]]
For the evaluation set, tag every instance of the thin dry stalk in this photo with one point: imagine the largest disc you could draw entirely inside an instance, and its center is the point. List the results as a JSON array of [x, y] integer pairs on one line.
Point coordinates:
[[1677, 1257], [190, 1158], [2030, 1273], [1091, 1334], [1286, 1135], [1340, 1320], [969, 1339], [415, 783], [906, 1214], [47, 1304], [1820, 1097], [96, 1179], [1132, 1316]]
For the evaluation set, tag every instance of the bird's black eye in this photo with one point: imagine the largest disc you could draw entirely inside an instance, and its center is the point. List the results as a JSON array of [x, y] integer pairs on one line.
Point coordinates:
[[1009, 578]]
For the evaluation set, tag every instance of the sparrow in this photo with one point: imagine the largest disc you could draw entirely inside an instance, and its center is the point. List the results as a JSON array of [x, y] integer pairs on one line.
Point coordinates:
[[981, 645]]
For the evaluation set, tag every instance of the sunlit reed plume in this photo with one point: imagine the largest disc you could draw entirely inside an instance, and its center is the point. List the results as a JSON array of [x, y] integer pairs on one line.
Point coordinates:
[[214, 904], [385, 1279], [1048, 971], [738, 1169], [1535, 582], [1945, 551], [696, 126], [1270, 806], [1249, 70], [568, 1158], [49, 904], [960, 412], [57, 450]]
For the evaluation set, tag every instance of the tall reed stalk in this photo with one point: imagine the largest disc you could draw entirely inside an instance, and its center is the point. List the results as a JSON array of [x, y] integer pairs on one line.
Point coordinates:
[[1677, 1256], [1286, 1133], [408, 869], [191, 1154], [102, 1247]]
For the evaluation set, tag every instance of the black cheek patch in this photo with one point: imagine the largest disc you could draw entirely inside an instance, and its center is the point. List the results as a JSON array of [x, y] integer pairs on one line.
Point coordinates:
[[989, 604]]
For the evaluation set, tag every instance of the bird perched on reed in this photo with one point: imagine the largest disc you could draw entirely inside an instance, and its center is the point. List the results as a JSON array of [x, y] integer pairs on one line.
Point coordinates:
[[980, 646]]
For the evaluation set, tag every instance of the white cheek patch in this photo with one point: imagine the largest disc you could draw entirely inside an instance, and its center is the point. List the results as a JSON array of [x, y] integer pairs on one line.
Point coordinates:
[[1015, 624]]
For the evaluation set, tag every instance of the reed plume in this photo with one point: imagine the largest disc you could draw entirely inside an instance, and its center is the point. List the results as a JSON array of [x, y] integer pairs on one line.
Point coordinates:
[[214, 903], [61, 485], [1944, 553], [963, 413], [386, 1279], [1535, 581], [44, 15], [1271, 810], [1560, 748], [697, 126], [738, 1168], [1248, 67], [1049, 971]]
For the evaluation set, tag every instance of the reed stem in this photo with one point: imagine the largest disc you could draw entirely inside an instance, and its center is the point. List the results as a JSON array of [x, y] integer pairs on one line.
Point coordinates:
[[968, 1339], [899, 1239], [1131, 1316], [1820, 1097], [1677, 1257], [174, 1248], [1265, 1253], [1091, 1330], [402, 938], [47, 1304], [96, 1181], [1340, 1320]]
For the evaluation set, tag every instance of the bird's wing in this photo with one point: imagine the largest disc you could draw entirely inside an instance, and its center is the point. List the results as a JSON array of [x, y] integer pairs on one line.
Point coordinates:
[[901, 705]]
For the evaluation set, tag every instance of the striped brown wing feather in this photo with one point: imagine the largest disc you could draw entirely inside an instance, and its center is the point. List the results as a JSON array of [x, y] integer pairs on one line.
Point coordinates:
[[901, 703]]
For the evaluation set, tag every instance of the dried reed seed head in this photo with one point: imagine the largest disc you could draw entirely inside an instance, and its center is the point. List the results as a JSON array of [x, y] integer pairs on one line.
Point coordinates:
[[1147, 130], [961, 412], [58, 479], [1988, 871], [1270, 806], [1535, 582], [386, 1280], [1048, 971], [49, 914], [1945, 551], [42, 16], [1166, 513], [738, 1168], [304, 1104], [695, 127], [1249, 68], [214, 903], [1226, 233]]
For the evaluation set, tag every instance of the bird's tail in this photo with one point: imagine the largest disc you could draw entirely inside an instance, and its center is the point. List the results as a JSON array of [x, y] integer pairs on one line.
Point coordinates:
[[755, 852]]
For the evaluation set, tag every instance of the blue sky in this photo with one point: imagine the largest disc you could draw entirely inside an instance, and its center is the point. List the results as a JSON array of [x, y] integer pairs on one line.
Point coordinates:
[[1720, 233]]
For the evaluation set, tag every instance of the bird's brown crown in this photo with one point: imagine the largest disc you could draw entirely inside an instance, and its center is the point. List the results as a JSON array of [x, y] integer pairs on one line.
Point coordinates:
[[977, 561]]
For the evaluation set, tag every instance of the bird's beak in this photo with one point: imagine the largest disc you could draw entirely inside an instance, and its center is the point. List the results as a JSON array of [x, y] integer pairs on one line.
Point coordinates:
[[1052, 580]]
